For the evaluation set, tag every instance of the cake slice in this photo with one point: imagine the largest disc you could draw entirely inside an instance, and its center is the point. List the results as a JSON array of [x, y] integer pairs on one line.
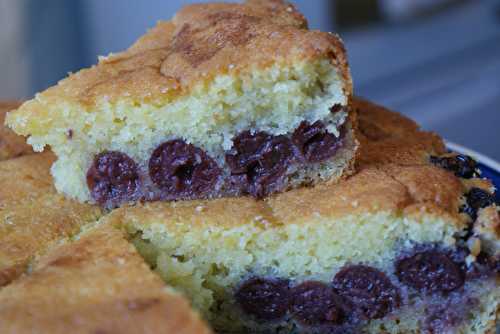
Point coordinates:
[[409, 244], [11, 145], [223, 100], [32, 214], [96, 284]]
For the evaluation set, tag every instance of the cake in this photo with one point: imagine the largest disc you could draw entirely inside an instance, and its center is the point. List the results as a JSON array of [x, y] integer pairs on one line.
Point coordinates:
[[33, 215], [11, 145], [97, 283], [224, 100], [408, 244]]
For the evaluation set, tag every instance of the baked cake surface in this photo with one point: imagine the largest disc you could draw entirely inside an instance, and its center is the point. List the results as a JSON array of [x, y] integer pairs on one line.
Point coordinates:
[[11, 145], [96, 284], [32, 214], [223, 100], [409, 244]]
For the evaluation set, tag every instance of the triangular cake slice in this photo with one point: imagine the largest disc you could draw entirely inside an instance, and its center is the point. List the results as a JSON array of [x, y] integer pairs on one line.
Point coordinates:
[[223, 100], [95, 284]]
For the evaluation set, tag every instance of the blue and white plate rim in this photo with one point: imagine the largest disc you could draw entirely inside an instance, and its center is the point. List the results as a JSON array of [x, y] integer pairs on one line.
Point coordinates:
[[488, 166], [481, 158]]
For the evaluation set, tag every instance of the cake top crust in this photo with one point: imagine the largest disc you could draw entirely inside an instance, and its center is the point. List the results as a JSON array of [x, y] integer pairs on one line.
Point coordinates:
[[95, 284], [200, 42], [11, 145], [26, 177], [33, 214], [394, 175]]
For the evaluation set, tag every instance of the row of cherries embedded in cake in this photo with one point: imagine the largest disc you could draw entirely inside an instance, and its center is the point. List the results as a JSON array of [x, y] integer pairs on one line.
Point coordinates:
[[181, 170], [359, 292]]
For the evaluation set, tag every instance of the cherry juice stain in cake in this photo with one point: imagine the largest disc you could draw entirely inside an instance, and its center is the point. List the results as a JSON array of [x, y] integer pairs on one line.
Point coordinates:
[[443, 314]]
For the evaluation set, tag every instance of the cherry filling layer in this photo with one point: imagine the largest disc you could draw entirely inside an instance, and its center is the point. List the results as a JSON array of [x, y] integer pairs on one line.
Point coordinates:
[[358, 293], [259, 161], [258, 164]]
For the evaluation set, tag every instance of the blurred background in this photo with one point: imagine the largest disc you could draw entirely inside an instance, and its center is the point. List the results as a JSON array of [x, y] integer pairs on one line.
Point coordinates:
[[437, 61]]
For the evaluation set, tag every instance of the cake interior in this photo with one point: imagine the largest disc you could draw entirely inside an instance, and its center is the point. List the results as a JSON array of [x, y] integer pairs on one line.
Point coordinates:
[[275, 101], [262, 275]]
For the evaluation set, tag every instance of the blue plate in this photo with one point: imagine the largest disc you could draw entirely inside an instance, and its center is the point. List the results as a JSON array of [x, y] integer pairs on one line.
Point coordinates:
[[490, 168]]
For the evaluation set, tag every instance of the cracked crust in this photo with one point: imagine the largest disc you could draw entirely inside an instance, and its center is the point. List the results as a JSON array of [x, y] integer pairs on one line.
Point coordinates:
[[33, 215], [97, 284], [200, 42], [11, 145]]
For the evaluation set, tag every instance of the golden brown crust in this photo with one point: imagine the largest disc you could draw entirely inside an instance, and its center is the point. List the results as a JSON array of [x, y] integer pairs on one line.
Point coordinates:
[[97, 284], [26, 177], [388, 137], [200, 42], [33, 215], [11, 145], [394, 175]]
